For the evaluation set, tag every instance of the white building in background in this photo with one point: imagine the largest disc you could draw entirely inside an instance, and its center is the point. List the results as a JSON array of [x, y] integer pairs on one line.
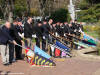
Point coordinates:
[[71, 9]]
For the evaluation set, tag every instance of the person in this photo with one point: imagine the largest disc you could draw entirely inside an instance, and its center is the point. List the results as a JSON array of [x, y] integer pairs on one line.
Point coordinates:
[[81, 26], [46, 30], [11, 45], [53, 28], [70, 31], [66, 28], [5, 38], [57, 28], [53, 31], [28, 31], [19, 31], [66, 31], [50, 24], [61, 32], [39, 33]]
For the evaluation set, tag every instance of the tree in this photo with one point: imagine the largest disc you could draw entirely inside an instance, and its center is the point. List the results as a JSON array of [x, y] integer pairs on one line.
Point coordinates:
[[93, 1], [60, 15], [42, 6], [20, 8], [90, 15], [28, 7], [7, 6]]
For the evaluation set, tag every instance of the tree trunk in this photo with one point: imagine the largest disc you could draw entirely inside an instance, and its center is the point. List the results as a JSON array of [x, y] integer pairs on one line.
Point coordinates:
[[28, 7], [10, 17]]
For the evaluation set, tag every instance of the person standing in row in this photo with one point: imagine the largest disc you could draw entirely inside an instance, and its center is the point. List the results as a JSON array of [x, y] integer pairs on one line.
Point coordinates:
[[46, 29], [61, 32], [58, 28], [5, 38], [19, 40], [39, 33], [28, 31], [50, 30], [11, 45]]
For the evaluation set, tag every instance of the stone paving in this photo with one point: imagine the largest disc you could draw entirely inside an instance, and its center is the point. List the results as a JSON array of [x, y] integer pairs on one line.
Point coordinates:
[[71, 66]]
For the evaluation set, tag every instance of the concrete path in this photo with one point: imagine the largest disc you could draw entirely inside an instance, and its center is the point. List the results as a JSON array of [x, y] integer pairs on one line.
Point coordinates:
[[71, 66]]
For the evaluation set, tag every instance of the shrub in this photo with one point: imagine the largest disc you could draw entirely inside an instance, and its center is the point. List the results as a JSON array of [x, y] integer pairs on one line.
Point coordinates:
[[20, 7], [91, 14], [60, 15]]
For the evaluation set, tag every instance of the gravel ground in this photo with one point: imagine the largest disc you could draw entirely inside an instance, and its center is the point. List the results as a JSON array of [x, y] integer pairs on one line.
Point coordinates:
[[71, 66]]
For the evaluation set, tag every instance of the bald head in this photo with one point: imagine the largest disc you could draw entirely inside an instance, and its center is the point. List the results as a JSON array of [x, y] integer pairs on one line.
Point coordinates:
[[8, 24]]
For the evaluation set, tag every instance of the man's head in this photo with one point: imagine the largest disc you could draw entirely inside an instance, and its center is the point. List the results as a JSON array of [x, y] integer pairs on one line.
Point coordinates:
[[29, 20], [50, 21], [8, 24], [15, 22], [61, 24], [39, 23], [65, 23], [19, 22], [70, 25], [58, 23], [53, 24], [44, 22], [75, 21]]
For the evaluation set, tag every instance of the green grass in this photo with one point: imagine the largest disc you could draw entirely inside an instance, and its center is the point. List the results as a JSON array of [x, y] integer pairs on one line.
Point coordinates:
[[93, 34]]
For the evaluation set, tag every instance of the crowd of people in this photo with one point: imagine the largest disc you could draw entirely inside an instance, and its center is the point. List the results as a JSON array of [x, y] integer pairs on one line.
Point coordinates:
[[18, 33]]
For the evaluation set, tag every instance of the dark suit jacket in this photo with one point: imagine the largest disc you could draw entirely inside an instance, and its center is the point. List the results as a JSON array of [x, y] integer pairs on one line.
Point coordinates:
[[5, 35]]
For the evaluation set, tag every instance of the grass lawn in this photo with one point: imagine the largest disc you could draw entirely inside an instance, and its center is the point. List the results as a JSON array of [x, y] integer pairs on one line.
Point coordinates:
[[93, 34]]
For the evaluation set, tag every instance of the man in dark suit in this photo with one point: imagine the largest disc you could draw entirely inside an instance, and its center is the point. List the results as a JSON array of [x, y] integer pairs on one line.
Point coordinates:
[[11, 45], [28, 31], [39, 33], [58, 28], [19, 31], [46, 30], [5, 38]]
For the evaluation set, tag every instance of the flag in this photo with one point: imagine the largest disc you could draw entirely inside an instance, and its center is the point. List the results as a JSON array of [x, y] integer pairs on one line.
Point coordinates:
[[38, 60], [62, 46], [42, 61], [61, 49], [37, 50]]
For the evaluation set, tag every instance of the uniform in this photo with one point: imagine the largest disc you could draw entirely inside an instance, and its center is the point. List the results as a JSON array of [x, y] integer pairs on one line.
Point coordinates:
[[46, 29], [61, 30], [11, 46], [4, 44], [18, 50], [39, 34], [58, 29], [28, 31], [66, 29]]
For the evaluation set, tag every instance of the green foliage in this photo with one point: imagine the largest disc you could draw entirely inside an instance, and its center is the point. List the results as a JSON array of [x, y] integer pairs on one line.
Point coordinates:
[[83, 5], [92, 30], [93, 1], [91, 14], [20, 7], [60, 15]]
